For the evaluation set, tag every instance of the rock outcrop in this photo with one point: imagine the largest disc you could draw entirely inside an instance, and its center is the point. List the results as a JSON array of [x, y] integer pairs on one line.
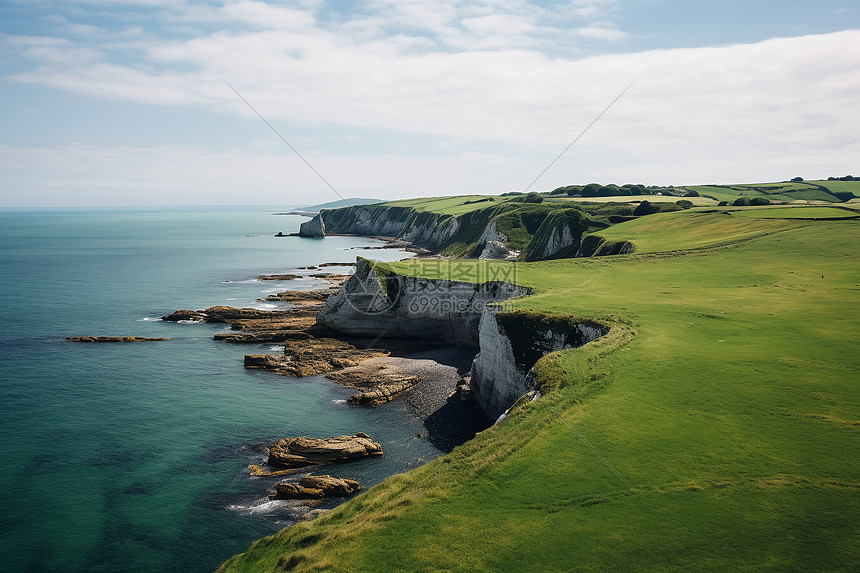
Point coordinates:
[[113, 339], [251, 320], [301, 297], [315, 487], [378, 383], [312, 356], [283, 277], [375, 302], [496, 250], [260, 337], [304, 451], [313, 228], [185, 316], [382, 393]]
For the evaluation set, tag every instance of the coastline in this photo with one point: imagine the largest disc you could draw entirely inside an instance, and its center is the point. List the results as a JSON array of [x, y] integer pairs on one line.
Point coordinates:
[[449, 421], [432, 400]]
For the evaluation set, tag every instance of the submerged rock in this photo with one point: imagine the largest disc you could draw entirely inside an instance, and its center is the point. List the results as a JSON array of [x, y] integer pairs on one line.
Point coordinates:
[[113, 339], [315, 487], [305, 451], [262, 337], [287, 277], [259, 471], [190, 315]]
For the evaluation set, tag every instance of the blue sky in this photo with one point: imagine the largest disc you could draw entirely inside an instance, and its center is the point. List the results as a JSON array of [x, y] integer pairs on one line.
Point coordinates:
[[122, 102]]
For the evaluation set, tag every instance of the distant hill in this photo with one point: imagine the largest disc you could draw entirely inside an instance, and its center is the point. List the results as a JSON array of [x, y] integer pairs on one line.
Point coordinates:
[[341, 203]]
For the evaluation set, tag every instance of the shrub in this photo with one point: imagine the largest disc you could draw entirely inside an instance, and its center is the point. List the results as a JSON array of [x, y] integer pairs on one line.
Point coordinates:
[[606, 209], [844, 196], [797, 179], [759, 201], [528, 198], [569, 190], [645, 208], [635, 189], [722, 203], [741, 202], [610, 190], [691, 193], [591, 190], [684, 204]]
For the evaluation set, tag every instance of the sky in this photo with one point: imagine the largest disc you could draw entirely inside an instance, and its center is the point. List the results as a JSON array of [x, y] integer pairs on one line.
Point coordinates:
[[128, 102]]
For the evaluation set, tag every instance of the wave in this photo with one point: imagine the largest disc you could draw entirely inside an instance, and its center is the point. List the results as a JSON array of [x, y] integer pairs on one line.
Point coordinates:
[[338, 402], [149, 319], [264, 505], [260, 305]]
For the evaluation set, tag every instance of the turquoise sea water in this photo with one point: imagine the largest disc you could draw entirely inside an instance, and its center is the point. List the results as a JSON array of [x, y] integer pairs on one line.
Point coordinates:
[[132, 457]]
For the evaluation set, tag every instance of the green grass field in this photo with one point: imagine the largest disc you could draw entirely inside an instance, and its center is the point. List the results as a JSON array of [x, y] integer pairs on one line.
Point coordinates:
[[788, 191], [694, 229], [450, 205], [715, 428], [794, 213]]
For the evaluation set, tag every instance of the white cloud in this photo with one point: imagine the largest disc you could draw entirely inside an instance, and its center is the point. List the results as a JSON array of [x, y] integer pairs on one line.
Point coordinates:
[[475, 73], [600, 33]]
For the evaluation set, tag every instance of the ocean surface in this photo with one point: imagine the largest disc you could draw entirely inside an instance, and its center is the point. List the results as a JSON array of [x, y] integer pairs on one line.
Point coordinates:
[[133, 457]]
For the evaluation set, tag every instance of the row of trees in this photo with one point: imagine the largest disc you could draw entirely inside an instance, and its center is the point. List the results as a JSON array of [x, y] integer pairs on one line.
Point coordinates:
[[746, 202], [598, 190]]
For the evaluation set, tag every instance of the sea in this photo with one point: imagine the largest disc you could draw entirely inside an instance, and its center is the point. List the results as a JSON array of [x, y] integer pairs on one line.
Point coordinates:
[[133, 457]]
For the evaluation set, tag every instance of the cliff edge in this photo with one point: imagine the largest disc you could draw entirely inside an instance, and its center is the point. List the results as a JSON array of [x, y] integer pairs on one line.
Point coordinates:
[[378, 301]]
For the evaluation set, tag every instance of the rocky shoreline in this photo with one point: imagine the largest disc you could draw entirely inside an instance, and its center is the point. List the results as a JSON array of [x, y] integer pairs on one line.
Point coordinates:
[[380, 369], [425, 375]]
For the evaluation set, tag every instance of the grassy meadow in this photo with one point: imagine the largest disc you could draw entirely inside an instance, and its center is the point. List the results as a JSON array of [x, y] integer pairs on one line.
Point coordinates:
[[715, 428], [788, 191]]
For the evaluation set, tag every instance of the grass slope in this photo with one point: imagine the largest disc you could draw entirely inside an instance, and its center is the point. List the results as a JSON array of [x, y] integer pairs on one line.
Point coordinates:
[[450, 205], [788, 191], [715, 428], [796, 213]]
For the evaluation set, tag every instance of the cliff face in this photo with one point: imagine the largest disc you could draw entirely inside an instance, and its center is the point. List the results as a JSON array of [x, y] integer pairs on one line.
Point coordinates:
[[511, 343], [382, 303], [558, 235], [386, 304], [427, 230], [313, 228], [539, 231]]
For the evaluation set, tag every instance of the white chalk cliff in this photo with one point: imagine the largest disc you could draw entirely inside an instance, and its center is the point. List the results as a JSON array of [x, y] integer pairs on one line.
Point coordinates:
[[378, 302]]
